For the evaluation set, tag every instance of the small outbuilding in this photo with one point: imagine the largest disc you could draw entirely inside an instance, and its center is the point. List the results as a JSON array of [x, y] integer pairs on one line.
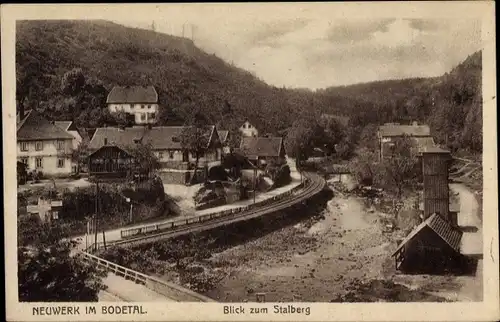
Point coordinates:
[[432, 247]]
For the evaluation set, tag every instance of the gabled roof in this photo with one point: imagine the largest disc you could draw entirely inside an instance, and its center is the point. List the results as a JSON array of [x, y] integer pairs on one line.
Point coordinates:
[[64, 124], [132, 94], [261, 146], [36, 127], [400, 130], [441, 227], [223, 135], [161, 137]]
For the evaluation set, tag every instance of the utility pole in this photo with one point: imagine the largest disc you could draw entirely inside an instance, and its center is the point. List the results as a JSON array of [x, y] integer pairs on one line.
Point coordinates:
[[95, 215], [103, 233], [254, 183]]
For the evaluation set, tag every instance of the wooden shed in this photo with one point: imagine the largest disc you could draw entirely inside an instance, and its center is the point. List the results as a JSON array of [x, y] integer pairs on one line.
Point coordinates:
[[432, 247], [110, 161]]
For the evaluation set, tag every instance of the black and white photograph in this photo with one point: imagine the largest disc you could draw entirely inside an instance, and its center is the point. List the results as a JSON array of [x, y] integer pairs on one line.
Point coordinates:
[[242, 155]]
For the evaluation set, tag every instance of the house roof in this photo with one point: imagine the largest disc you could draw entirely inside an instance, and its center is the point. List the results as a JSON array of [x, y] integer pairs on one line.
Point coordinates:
[[132, 94], [161, 137], [63, 124], [424, 142], [36, 127], [400, 130], [434, 149], [441, 227], [223, 135], [261, 146]]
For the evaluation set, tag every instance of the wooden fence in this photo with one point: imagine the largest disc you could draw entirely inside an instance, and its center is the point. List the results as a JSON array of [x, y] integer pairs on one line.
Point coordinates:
[[167, 289]]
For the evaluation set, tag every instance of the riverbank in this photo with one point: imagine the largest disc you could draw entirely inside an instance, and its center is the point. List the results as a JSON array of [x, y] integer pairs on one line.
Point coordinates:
[[343, 257]]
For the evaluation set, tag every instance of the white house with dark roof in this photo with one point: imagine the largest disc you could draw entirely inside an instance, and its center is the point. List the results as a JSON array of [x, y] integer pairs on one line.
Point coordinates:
[[139, 101], [43, 146]]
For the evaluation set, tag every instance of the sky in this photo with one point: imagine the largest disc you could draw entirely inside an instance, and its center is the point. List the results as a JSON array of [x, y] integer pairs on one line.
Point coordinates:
[[308, 48]]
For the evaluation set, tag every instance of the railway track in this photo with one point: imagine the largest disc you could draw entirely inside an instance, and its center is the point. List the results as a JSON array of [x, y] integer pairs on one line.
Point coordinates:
[[315, 184]]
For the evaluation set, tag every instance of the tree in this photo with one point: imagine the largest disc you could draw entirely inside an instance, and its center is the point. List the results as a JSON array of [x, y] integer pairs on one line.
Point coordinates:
[[145, 160], [400, 169], [363, 166], [334, 133], [80, 155], [194, 138], [302, 137], [47, 272], [73, 82]]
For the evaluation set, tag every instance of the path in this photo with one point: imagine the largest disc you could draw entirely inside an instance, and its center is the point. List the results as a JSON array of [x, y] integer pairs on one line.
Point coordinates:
[[120, 289], [468, 219], [472, 242]]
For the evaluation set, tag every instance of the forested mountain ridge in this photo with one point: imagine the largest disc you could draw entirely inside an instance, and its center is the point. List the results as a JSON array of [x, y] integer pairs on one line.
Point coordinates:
[[110, 54], [188, 78]]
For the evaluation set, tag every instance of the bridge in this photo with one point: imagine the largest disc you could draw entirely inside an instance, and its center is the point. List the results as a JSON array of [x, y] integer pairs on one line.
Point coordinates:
[[164, 291]]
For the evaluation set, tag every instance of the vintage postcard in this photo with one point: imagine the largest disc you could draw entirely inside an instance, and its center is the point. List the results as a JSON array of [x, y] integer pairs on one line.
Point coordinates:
[[250, 162]]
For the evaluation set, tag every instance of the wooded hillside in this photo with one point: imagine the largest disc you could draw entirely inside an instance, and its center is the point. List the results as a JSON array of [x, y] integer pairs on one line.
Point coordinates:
[[188, 79]]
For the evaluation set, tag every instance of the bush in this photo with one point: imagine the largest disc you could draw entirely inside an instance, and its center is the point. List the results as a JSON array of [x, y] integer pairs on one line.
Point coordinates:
[[280, 174]]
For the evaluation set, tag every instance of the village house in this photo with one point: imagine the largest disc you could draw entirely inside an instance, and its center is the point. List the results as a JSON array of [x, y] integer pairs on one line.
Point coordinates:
[[141, 102], [248, 130], [43, 146], [224, 140], [111, 146], [389, 134], [263, 150], [71, 128]]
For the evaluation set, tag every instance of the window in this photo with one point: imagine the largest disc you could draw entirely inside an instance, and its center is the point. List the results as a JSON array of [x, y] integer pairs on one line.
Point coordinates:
[[38, 163], [39, 146], [24, 160], [143, 106], [24, 146], [171, 154], [60, 163], [143, 117], [160, 155], [152, 115], [60, 145]]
